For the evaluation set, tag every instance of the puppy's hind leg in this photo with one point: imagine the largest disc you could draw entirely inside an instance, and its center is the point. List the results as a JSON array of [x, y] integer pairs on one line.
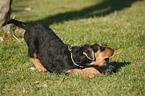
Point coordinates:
[[37, 64], [32, 55], [33, 48]]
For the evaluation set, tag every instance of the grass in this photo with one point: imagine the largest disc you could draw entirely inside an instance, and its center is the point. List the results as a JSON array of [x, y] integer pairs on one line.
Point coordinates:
[[77, 22]]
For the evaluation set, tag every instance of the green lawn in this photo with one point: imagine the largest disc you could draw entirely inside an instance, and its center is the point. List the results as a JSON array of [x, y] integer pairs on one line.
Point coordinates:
[[119, 24]]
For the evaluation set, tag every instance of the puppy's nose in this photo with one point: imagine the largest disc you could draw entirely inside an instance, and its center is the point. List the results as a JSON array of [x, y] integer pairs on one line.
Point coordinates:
[[113, 50]]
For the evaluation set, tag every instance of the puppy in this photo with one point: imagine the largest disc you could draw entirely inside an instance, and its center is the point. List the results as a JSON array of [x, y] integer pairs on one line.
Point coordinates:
[[48, 52]]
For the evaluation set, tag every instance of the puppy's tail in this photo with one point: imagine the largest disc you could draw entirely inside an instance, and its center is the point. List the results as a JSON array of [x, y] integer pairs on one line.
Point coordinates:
[[16, 22]]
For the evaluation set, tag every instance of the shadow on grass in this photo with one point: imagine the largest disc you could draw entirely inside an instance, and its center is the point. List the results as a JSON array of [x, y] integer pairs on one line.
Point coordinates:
[[118, 65], [104, 8]]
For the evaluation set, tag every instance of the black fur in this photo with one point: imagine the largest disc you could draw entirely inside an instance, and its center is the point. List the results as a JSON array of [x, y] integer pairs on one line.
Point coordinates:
[[51, 51]]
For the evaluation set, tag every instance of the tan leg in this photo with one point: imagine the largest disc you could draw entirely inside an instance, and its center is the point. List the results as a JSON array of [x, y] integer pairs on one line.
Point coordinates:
[[91, 70], [75, 71], [37, 64], [87, 72]]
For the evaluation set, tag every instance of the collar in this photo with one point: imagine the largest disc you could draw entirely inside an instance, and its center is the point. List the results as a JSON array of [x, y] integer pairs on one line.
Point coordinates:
[[70, 49]]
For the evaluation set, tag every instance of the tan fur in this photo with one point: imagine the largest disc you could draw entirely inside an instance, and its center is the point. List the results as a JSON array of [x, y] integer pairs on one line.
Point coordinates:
[[86, 72], [37, 63], [100, 56]]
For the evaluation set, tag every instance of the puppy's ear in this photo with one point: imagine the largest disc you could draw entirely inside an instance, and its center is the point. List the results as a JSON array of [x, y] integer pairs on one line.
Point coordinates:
[[95, 47], [89, 53]]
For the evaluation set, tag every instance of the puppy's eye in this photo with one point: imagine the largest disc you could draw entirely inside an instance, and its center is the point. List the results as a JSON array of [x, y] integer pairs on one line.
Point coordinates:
[[102, 48]]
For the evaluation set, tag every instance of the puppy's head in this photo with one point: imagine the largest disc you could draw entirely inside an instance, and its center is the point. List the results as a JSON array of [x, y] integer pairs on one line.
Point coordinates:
[[102, 54], [92, 54]]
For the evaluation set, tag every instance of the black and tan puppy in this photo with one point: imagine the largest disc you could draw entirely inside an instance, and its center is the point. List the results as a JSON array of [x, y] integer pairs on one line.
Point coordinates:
[[48, 53]]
